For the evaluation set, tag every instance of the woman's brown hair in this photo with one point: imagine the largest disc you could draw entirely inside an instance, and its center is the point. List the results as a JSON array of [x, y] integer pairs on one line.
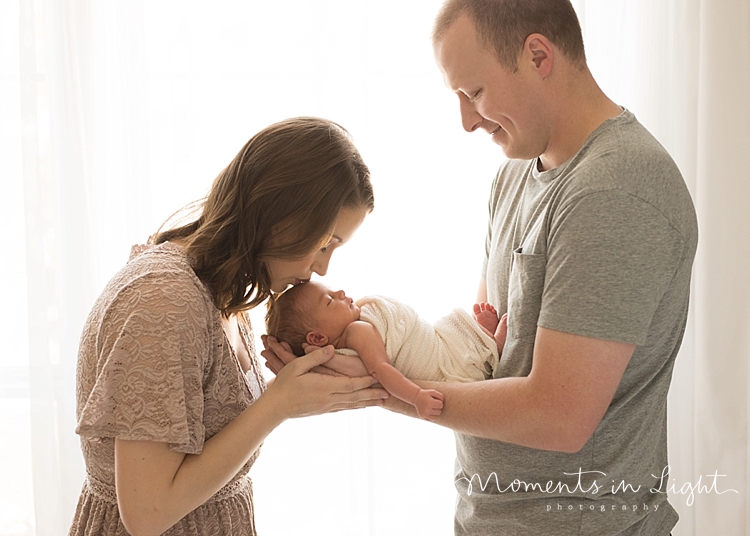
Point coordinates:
[[279, 198]]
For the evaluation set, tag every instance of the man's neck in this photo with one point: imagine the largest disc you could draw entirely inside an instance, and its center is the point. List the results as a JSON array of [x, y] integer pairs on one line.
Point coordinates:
[[581, 108]]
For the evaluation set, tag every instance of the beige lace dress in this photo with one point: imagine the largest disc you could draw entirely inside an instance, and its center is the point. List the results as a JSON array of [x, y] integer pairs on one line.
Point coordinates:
[[154, 364]]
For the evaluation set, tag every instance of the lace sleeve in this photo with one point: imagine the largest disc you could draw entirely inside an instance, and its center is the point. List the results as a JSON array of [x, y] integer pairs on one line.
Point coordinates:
[[151, 350]]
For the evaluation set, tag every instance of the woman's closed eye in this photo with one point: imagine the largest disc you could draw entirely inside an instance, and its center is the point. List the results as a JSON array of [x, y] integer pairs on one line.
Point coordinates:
[[328, 246]]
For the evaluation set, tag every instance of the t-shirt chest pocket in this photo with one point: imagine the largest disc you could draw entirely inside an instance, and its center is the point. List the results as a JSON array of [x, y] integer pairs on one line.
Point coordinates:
[[525, 288]]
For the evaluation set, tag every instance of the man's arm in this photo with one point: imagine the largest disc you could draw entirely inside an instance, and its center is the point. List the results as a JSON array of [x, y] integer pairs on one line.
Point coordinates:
[[556, 407]]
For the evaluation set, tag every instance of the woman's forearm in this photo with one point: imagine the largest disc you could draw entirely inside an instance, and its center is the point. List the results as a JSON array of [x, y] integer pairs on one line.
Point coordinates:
[[157, 487]]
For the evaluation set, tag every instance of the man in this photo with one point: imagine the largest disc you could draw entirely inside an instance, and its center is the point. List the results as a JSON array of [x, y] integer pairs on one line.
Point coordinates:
[[591, 239], [590, 246]]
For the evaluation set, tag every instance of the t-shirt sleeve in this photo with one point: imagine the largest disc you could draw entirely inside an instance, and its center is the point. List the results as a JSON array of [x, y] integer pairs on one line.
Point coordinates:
[[610, 258], [152, 347]]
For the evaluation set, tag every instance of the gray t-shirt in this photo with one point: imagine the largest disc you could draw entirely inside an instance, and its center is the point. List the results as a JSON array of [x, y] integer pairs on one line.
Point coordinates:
[[601, 246]]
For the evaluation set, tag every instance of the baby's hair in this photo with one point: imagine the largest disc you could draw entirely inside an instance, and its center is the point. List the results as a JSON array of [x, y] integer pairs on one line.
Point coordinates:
[[287, 318]]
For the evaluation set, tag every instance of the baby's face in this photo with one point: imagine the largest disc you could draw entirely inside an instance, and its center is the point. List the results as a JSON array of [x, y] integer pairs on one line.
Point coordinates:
[[331, 311]]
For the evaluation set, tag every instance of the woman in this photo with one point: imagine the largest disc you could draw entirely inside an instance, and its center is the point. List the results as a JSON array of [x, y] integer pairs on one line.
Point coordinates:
[[172, 406]]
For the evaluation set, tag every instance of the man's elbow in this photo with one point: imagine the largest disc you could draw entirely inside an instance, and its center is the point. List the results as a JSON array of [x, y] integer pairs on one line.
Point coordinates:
[[568, 437], [573, 444]]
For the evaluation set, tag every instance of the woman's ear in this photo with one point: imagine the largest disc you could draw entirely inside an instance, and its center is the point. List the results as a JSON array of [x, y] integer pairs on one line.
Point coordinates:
[[316, 338]]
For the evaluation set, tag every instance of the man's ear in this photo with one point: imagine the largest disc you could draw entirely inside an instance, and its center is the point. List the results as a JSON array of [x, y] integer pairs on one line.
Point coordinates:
[[541, 52], [316, 338]]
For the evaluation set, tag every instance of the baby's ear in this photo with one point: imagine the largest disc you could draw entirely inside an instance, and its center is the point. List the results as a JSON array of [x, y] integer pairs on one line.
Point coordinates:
[[316, 338]]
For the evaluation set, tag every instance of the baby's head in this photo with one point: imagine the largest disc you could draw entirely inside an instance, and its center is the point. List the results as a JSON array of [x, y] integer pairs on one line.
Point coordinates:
[[310, 312]]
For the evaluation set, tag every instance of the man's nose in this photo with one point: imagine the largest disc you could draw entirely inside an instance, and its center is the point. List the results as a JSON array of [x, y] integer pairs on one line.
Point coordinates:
[[470, 119]]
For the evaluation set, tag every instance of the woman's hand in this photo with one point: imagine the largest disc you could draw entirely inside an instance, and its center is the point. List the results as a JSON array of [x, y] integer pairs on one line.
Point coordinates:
[[278, 355], [298, 391]]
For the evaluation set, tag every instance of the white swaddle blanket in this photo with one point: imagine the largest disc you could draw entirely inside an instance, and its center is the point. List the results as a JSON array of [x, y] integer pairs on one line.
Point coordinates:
[[453, 349]]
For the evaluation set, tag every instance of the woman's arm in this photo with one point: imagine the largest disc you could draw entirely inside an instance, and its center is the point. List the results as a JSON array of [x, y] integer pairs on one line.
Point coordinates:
[[157, 487]]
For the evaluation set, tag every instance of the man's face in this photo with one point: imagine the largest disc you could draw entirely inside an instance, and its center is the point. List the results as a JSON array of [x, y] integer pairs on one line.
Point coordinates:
[[491, 97]]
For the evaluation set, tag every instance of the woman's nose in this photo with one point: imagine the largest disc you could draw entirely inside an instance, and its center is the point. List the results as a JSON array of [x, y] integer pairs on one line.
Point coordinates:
[[320, 266]]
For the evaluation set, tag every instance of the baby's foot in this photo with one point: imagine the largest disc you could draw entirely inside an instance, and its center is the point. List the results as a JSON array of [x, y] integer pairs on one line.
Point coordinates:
[[429, 403], [486, 316]]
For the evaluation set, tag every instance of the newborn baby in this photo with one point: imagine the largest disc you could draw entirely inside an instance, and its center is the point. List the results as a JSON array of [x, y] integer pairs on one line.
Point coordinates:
[[455, 349]]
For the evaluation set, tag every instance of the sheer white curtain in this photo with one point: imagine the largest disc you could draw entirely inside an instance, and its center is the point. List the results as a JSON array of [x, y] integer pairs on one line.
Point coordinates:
[[683, 67], [120, 113], [112, 115]]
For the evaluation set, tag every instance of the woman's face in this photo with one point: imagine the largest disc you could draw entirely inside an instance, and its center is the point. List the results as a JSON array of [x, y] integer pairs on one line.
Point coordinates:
[[285, 272]]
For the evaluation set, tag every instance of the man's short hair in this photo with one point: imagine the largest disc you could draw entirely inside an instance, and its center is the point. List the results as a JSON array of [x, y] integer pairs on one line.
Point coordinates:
[[504, 25]]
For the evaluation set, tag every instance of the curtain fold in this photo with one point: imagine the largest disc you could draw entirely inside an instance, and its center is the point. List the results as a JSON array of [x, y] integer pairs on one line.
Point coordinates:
[[103, 122], [722, 273], [58, 253], [683, 66]]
